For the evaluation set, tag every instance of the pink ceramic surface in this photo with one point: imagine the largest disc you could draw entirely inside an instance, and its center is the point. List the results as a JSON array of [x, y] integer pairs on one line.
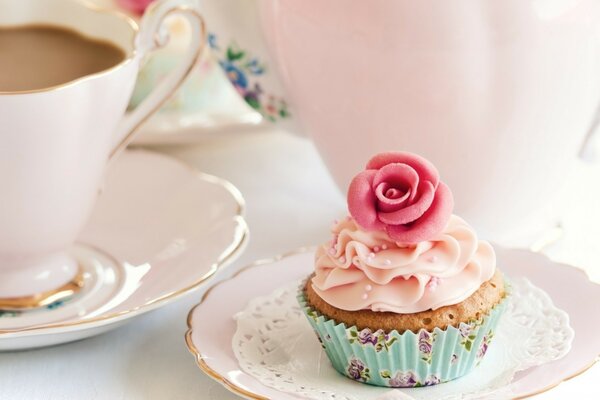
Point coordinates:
[[212, 347], [159, 230], [56, 142], [498, 95]]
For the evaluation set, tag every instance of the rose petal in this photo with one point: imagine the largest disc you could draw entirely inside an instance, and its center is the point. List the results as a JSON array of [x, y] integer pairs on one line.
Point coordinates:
[[400, 176], [362, 201], [390, 193], [430, 224], [414, 211], [425, 170], [397, 175], [388, 203]]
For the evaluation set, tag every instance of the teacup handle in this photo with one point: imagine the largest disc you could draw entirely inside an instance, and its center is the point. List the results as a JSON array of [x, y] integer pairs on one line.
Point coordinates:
[[149, 38]]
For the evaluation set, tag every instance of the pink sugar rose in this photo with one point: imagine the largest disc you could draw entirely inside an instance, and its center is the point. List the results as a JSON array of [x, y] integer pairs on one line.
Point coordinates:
[[135, 6], [400, 193]]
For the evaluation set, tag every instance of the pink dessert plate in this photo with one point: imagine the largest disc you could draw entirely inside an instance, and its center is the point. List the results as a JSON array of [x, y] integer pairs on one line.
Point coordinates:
[[568, 287], [159, 230]]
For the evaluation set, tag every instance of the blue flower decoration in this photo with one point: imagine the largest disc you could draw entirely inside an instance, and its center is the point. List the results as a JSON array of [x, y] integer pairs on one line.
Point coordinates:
[[212, 41], [235, 75], [254, 67]]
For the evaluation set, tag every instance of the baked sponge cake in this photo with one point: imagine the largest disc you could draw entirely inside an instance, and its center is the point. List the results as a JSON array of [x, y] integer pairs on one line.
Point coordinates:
[[405, 294]]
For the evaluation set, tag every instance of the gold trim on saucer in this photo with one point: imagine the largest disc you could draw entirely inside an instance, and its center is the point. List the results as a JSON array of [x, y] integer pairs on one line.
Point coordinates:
[[44, 299], [576, 374], [232, 387], [238, 241], [199, 357]]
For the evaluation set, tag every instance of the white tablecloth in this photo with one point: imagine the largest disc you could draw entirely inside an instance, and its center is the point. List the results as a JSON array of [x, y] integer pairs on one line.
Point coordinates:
[[291, 202]]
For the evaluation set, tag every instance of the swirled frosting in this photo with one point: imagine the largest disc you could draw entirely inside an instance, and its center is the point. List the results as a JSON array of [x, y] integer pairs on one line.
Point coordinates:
[[367, 270]]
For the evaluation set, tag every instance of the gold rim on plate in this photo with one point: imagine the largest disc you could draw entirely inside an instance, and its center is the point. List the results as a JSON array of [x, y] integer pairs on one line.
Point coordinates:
[[232, 387], [240, 238]]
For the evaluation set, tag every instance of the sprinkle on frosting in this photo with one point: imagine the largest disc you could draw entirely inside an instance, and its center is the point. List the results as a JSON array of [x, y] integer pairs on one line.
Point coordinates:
[[445, 269], [400, 193]]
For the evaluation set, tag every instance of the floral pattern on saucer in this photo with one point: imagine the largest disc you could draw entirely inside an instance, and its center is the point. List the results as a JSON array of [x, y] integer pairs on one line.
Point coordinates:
[[14, 314]]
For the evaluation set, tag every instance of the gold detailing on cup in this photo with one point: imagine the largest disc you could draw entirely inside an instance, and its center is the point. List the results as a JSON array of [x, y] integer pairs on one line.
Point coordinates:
[[44, 299]]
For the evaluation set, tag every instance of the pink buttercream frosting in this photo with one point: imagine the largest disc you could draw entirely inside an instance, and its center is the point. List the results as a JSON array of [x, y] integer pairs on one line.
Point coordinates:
[[368, 270]]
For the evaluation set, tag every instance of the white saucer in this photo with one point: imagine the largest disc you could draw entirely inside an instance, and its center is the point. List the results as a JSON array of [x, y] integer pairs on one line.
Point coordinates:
[[160, 229], [568, 287], [179, 127]]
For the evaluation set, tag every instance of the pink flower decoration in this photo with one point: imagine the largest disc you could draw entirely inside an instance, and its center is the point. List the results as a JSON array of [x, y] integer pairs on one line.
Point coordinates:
[[400, 193], [135, 6]]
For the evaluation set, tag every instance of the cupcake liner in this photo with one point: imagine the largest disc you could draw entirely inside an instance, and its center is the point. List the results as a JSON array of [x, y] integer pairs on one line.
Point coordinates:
[[409, 359]]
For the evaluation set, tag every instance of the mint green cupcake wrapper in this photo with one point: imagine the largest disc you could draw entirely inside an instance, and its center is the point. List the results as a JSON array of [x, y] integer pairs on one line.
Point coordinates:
[[409, 359]]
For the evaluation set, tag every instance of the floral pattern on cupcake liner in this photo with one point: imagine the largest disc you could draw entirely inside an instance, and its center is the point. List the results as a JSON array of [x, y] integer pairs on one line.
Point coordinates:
[[485, 343], [243, 71], [313, 314], [468, 332], [379, 339], [383, 341], [357, 370], [407, 379], [385, 359], [425, 344]]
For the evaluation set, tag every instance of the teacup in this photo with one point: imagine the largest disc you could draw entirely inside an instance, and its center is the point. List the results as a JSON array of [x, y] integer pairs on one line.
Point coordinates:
[[499, 95], [55, 142]]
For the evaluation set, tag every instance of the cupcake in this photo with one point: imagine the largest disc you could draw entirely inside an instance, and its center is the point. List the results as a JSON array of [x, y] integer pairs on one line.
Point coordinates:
[[405, 294]]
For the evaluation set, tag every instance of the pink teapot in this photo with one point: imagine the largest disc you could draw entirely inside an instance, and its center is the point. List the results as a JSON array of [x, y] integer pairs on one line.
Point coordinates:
[[501, 96]]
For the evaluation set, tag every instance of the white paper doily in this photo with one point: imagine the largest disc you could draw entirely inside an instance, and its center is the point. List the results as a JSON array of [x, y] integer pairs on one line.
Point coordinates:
[[275, 344]]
